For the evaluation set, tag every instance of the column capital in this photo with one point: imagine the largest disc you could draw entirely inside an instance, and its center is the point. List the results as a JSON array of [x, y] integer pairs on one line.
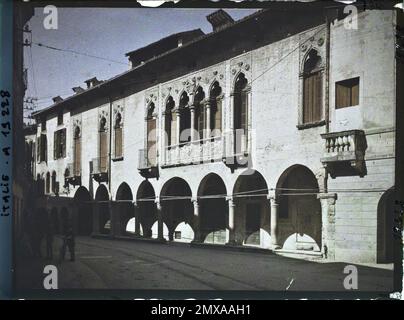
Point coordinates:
[[194, 200], [331, 197], [272, 195]]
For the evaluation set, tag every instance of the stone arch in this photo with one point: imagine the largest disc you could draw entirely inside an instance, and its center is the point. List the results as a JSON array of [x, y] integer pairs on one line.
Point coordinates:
[[175, 197], [102, 200], [125, 207], [213, 209], [299, 210], [146, 207], [385, 224], [252, 210], [84, 211]]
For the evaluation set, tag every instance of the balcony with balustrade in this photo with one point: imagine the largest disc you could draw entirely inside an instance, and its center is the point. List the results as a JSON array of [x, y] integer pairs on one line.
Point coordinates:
[[193, 152], [73, 175], [99, 170], [236, 153], [345, 153], [147, 164]]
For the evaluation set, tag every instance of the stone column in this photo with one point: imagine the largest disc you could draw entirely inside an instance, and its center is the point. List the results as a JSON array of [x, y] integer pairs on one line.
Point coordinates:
[[136, 209], [163, 136], [197, 222], [160, 222], [231, 225], [208, 128], [192, 109], [177, 142], [274, 221], [178, 122], [328, 224]]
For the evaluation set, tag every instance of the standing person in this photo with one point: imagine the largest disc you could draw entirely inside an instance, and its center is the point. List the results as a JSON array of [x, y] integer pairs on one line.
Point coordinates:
[[68, 241]]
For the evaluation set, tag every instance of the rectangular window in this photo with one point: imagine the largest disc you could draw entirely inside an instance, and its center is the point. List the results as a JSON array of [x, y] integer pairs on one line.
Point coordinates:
[[59, 144], [42, 148], [60, 118], [347, 93], [312, 97]]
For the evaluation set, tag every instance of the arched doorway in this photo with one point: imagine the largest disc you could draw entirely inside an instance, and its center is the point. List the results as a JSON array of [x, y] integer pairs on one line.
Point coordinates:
[[84, 212], [125, 207], [385, 223], [146, 207], [252, 210], [102, 203], [177, 208], [213, 209], [299, 209]]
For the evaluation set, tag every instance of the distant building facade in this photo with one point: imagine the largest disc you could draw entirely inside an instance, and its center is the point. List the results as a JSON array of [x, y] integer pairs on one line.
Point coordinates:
[[261, 133]]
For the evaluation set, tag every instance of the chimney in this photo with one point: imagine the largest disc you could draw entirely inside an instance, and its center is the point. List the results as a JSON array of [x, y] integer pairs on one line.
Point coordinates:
[[78, 89], [57, 99], [219, 19], [92, 82]]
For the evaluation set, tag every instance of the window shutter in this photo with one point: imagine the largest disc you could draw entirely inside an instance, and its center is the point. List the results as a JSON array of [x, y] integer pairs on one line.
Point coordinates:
[[77, 156], [55, 145], [355, 94], [217, 121], [38, 149], [201, 114], [317, 112], [45, 148], [103, 151], [243, 123], [151, 141], [173, 128], [63, 140], [118, 142]]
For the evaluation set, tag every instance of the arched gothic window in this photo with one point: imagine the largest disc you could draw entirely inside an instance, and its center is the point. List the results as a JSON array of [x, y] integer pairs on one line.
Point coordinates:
[[54, 183], [118, 136], [170, 122], [77, 151], [215, 109], [240, 109], [103, 145], [47, 183], [151, 135], [185, 119], [312, 88], [200, 114]]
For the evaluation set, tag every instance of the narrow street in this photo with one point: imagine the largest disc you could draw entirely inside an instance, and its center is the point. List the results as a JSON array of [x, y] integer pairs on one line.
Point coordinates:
[[109, 264]]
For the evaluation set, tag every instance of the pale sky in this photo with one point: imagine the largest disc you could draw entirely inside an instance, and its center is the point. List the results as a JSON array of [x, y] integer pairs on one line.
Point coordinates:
[[107, 33]]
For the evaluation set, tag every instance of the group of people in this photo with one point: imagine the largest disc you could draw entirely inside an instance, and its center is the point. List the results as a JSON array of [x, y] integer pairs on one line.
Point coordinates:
[[39, 230]]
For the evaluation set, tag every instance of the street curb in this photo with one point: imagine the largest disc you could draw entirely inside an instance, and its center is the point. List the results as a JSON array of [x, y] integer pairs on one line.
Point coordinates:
[[123, 238]]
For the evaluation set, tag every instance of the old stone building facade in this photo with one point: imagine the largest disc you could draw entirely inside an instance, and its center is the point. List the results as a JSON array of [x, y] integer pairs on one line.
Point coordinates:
[[291, 147]]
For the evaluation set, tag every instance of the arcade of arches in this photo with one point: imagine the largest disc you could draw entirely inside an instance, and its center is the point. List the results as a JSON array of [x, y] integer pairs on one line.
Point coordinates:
[[291, 216]]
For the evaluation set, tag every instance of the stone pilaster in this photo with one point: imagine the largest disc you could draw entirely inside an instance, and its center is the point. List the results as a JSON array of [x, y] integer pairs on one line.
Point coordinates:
[[328, 224]]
